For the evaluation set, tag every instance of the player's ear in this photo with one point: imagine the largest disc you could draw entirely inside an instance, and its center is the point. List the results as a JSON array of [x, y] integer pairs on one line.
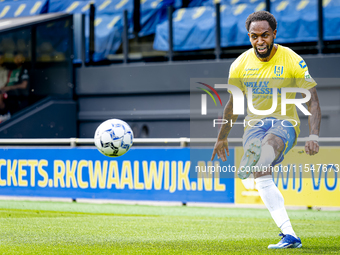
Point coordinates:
[[274, 33], [249, 35]]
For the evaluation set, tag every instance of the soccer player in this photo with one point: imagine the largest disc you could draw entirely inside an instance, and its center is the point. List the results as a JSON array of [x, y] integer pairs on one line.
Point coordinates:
[[262, 68]]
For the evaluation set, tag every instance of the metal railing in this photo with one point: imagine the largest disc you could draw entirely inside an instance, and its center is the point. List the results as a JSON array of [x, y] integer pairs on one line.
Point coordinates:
[[182, 141]]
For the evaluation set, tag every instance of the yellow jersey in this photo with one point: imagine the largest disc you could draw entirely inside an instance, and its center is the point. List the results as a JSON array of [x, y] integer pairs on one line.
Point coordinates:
[[285, 69]]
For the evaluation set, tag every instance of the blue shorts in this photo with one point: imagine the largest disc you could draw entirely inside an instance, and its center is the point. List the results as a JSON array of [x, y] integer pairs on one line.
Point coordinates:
[[272, 126]]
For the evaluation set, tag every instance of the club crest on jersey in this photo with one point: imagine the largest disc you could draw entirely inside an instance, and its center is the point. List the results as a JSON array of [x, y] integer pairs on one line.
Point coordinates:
[[278, 70]]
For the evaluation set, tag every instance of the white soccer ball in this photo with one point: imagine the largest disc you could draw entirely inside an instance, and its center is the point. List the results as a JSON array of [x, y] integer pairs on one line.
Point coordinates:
[[113, 138]]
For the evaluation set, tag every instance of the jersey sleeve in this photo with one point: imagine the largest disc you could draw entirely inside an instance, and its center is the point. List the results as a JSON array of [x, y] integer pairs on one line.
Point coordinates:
[[234, 78], [302, 77]]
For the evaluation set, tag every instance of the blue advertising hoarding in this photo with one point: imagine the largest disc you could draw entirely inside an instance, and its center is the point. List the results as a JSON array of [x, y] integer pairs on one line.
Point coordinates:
[[154, 174]]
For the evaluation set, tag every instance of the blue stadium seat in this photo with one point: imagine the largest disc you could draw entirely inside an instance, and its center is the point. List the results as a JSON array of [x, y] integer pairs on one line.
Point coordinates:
[[194, 28], [68, 6], [331, 20], [83, 6], [197, 3], [152, 11], [297, 21], [109, 25], [108, 35], [13, 9], [108, 22]]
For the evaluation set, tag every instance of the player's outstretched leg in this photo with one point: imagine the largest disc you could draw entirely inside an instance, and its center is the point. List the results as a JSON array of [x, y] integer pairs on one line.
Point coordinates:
[[250, 158], [271, 195]]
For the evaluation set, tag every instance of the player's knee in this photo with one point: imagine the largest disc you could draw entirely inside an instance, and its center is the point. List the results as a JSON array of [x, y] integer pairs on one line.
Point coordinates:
[[275, 142]]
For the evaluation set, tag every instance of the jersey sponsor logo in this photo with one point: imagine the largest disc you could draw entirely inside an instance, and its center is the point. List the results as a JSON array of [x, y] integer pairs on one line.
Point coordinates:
[[251, 72], [252, 69], [302, 64], [308, 77], [278, 70], [260, 87]]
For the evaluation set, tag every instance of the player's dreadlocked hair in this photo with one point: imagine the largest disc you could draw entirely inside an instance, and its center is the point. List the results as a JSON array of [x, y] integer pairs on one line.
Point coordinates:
[[261, 15]]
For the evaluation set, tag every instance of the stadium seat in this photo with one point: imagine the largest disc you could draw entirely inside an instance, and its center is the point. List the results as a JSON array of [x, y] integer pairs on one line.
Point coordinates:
[[331, 20], [14, 9]]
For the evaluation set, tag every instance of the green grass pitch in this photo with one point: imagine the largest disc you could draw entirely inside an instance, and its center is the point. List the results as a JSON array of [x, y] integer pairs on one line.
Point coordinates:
[[79, 228]]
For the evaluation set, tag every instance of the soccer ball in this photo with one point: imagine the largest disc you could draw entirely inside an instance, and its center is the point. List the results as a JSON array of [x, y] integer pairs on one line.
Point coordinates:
[[113, 138]]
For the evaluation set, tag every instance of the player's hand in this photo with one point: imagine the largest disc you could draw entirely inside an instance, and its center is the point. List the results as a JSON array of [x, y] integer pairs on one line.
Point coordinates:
[[221, 146], [312, 147]]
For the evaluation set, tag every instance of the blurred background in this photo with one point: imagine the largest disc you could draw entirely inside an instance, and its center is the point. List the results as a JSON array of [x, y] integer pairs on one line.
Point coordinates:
[[88, 61]]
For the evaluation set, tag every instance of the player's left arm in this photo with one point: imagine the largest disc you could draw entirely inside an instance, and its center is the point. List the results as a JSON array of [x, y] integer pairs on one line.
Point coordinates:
[[314, 121], [22, 85]]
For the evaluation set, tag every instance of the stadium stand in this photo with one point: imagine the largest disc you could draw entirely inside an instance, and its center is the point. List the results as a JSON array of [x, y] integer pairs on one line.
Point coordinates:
[[109, 20], [194, 27], [297, 22]]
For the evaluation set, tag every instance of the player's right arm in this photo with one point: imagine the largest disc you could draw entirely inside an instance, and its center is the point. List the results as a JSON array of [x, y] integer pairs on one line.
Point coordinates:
[[314, 121], [221, 145], [304, 80]]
